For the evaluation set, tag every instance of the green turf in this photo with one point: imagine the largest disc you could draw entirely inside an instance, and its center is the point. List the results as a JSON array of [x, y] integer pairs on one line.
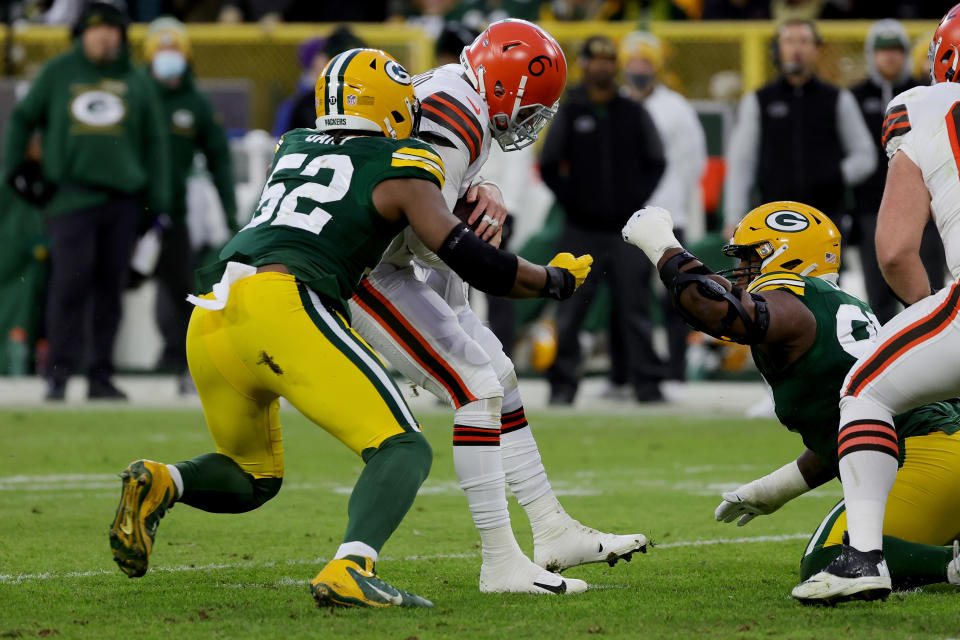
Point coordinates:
[[244, 576]]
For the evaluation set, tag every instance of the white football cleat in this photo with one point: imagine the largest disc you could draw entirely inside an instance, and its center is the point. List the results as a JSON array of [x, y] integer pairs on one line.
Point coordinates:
[[853, 575], [519, 575], [573, 544]]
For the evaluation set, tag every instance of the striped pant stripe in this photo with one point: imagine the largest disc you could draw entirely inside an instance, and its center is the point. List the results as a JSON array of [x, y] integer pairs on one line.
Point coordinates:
[[360, 354], [923, 329]]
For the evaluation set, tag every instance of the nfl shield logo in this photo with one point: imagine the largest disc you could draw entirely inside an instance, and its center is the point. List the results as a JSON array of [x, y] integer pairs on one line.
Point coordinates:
[[351, 101]]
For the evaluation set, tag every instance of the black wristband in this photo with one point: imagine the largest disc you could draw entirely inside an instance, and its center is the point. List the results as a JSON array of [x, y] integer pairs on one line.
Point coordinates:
[[480, 265], [560, 284]]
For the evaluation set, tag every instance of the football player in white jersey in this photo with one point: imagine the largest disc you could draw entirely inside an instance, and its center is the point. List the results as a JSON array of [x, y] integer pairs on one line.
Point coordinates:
[[415, 312], [916, 356]]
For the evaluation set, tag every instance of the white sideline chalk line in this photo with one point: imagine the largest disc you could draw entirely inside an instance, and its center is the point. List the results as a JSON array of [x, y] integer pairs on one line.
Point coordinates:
[[34, 577]]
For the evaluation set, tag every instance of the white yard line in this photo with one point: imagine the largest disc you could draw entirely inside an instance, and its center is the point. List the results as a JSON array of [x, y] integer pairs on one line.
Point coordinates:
[[41, 577], [707, 543]]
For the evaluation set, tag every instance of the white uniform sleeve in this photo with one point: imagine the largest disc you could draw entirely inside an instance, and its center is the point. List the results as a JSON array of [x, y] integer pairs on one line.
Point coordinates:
[[859, 150], [898, 134], [454, 185], [742, 157]]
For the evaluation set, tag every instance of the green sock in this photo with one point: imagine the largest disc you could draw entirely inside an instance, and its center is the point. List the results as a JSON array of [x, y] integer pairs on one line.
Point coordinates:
[[386, 488], [216, 483], [911, 564]]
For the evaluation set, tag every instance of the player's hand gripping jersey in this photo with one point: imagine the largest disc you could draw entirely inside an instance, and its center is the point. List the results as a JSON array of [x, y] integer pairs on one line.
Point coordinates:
[[924, 123], [328, 235]]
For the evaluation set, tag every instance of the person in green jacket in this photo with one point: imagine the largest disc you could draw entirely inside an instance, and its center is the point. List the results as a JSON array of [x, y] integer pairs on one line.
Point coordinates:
[[192, 126], [105, 151]]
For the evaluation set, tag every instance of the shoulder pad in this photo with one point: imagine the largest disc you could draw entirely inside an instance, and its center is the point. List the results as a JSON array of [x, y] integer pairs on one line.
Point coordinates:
[[455, 114], [778, 280], [896, 122]]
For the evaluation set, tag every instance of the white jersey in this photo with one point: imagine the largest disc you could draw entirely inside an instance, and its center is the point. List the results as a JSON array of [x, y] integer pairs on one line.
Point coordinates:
[[453, 119], [924, 123]]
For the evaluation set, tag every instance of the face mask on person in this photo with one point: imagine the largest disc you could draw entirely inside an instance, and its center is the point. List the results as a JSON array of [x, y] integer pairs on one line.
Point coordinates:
[[640, 80], [168, 65]]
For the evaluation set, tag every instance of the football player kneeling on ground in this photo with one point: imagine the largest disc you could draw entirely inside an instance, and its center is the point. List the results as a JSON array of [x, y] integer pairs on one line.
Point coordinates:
[[277, 325], [805, 334]]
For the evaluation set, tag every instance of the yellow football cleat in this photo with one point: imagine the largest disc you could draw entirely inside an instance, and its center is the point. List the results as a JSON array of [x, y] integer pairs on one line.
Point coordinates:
[[148, 491], [351, 582]]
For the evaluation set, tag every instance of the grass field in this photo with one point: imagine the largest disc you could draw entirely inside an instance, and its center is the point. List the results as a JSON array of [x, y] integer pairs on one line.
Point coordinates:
[[244, 576]]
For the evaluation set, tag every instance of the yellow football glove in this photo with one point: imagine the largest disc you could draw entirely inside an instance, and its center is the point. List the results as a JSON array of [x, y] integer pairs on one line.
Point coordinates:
[[578, 267]]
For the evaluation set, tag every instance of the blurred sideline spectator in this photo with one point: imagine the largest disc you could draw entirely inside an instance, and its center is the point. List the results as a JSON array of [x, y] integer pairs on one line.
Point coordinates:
[[268, 11], [451, 42], [888, 74], [192, 127], [736, 9], [920, 60], [784, 10], [299, 110], [23, 269], [603, 159], [104, 149], [798, 137], [685, 147]]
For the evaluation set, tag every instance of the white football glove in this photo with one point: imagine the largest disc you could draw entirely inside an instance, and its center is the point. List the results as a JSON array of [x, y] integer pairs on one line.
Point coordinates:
[[651, 229], [762, 496]]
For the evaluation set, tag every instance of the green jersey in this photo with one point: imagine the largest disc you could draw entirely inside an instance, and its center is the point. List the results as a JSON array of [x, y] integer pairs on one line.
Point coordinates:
[[316, 214], [806, 392]]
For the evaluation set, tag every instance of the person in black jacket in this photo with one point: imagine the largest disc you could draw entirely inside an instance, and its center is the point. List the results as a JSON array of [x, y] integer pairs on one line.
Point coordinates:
[[886, 50], [602, 159], [797, 138]]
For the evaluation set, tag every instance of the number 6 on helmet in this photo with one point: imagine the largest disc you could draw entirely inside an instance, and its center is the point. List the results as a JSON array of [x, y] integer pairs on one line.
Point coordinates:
[[520, 71]]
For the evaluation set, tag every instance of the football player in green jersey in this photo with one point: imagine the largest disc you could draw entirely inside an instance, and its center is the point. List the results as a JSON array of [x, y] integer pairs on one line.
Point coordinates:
[[277, 325], [783, 301]]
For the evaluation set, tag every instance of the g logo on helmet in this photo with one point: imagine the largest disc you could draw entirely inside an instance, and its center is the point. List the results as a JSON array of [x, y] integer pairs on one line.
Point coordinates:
[[787, 221], [397, 73]]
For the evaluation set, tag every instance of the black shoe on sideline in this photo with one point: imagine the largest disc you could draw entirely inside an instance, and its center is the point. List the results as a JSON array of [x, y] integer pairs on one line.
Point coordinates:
[[562, 396], [56, 390], [103, 389]]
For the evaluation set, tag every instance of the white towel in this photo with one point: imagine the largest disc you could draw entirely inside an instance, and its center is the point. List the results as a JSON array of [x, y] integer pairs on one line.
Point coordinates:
[[221, 291]]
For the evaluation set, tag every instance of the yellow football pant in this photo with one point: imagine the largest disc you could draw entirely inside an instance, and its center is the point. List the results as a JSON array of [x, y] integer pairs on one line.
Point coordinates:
[[276, 338], [924, 504]]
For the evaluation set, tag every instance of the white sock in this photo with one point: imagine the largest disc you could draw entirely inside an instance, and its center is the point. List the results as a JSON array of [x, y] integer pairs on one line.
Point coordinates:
[[356, 548], [868, 467], [476, 459], [177, 481], [499, 545], [546, 514], [522, 465]]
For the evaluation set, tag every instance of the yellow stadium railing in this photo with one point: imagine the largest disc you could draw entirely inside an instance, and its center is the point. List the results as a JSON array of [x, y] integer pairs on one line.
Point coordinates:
[[266, 56]]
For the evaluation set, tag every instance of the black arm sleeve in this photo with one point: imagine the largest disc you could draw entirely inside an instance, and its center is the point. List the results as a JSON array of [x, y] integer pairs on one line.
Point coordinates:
[[480, 265], [651, 156]]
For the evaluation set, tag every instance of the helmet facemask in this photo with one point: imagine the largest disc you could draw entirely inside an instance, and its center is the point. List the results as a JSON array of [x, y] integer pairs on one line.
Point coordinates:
[[754, 255], [524, 128]]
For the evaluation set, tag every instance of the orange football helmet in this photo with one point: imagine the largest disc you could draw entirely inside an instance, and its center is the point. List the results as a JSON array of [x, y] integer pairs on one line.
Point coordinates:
[[945, 48], [520, 72]]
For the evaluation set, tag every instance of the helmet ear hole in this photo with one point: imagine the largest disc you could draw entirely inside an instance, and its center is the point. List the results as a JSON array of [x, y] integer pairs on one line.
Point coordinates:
[[397, 117], [498, 90], [790, 265]]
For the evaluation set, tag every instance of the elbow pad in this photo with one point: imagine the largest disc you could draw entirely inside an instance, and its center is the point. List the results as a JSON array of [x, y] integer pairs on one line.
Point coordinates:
[[487, 268], [676, 281]]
